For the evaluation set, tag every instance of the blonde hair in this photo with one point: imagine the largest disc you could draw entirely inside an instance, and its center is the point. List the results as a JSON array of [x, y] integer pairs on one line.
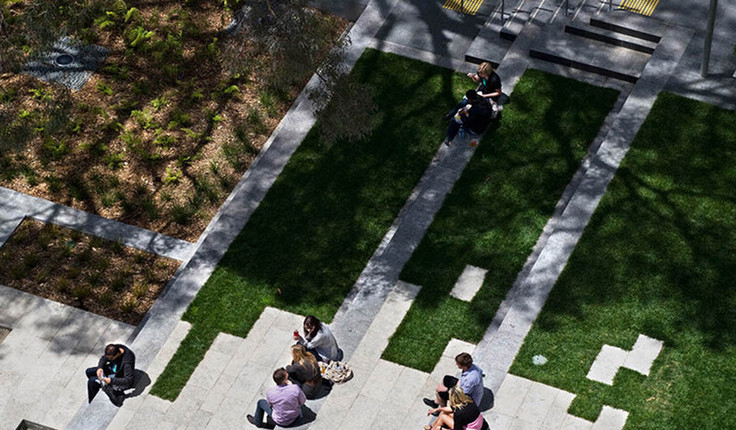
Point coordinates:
[[458, 398], [299, 354], [485, 69]]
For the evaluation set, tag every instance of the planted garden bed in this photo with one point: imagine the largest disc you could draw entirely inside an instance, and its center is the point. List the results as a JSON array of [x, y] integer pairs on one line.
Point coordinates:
[[98, 275], [161, 132]]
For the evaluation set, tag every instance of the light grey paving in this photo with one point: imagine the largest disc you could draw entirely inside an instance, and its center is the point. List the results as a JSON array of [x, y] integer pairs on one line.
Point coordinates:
[[42, 210], [42, 361], [526, 404], [468, 283], [643, 354], [606, 364]]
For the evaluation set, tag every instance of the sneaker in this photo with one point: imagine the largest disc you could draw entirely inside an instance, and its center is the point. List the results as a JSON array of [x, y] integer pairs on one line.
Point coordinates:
[[447, 142], [431, 403]]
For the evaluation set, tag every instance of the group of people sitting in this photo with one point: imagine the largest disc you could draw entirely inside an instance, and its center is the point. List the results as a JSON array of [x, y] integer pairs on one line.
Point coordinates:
[[480, 107], [457, 401], [300, 380]]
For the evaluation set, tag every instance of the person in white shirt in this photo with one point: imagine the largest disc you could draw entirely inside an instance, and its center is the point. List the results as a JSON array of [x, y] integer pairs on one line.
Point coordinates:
[[318, 340]]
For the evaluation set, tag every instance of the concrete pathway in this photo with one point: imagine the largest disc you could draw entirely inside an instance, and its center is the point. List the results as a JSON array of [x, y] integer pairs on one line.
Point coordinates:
[[14, 206], [43, 359]]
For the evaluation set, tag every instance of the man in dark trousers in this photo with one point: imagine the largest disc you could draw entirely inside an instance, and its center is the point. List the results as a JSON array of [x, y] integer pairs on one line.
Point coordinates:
[[476, 116], [114, 373]]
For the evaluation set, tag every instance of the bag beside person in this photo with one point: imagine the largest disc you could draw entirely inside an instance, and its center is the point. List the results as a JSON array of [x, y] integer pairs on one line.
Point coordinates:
[[338, 372]]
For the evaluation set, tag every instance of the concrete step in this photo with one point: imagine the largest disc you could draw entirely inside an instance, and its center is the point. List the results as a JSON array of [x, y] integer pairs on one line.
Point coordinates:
[[556, 46], [497, 35], [611, 37], [487, 46], [631, 24]]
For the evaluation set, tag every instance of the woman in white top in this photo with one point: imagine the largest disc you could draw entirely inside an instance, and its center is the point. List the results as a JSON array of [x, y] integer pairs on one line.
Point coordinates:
[[318, 340]]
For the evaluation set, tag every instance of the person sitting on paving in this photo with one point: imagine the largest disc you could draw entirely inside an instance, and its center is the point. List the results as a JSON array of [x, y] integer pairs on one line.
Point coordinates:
[[114, 372], [462, 414], [471, 382], [489, 83], [282, 405], [476, 116], [304, 371], [318, 340], [489, 87]]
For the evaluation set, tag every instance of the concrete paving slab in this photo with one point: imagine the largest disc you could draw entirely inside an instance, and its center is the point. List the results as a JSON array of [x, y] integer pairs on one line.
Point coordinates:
[[643, 354], [65, 216], [511, 395], [537, 404], [558, 411], [610, 419], [468, 283], [606, 364]]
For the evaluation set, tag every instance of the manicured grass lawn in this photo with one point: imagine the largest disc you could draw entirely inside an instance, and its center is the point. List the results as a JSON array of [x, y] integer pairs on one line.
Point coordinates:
[[496, 212], [323, 218], [658, 258]]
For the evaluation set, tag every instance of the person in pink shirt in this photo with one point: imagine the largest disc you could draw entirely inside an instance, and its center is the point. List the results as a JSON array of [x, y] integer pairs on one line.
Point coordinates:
[[282, 405]]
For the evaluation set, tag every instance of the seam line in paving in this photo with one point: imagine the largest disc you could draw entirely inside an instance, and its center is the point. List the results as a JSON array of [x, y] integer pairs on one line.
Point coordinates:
[[65, 216]]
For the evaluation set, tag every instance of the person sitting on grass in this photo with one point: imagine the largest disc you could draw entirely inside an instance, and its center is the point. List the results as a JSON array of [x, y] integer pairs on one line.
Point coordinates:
[[462, 414], [114, 373], [476, 116], [282, 405], [318, 340], [471, 382], [304, 371]]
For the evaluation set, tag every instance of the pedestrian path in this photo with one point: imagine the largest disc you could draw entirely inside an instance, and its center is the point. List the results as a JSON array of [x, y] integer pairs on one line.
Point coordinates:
[[528, 405], [44, 357], [499, 349], [14, 206]]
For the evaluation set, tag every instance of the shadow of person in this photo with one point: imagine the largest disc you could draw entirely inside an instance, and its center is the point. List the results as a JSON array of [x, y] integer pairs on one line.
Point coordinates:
[[487, 402], [324, 390], [142, 380], [307, 417]]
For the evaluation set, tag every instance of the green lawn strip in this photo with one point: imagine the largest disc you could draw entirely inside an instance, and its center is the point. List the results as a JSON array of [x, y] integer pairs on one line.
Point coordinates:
[[325, 215], [496, 212], [658, 258]]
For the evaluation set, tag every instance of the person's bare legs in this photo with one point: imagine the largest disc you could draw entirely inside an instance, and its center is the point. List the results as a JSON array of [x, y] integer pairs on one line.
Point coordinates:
[[445, 419], [439, 400]]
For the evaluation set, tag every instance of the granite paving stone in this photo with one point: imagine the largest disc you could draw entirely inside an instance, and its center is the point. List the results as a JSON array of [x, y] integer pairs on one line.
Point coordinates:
[[468, 283], [606, 364], [643, 354], [558, 411], [537, 404], [610, 419]]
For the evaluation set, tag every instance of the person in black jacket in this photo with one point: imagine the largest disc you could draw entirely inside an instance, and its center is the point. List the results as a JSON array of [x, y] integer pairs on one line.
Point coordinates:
[[114, 372], [476, 116]]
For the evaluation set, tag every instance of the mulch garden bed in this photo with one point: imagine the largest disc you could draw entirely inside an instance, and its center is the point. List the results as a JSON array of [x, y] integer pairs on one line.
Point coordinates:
[[159, 135], [98, 275]]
